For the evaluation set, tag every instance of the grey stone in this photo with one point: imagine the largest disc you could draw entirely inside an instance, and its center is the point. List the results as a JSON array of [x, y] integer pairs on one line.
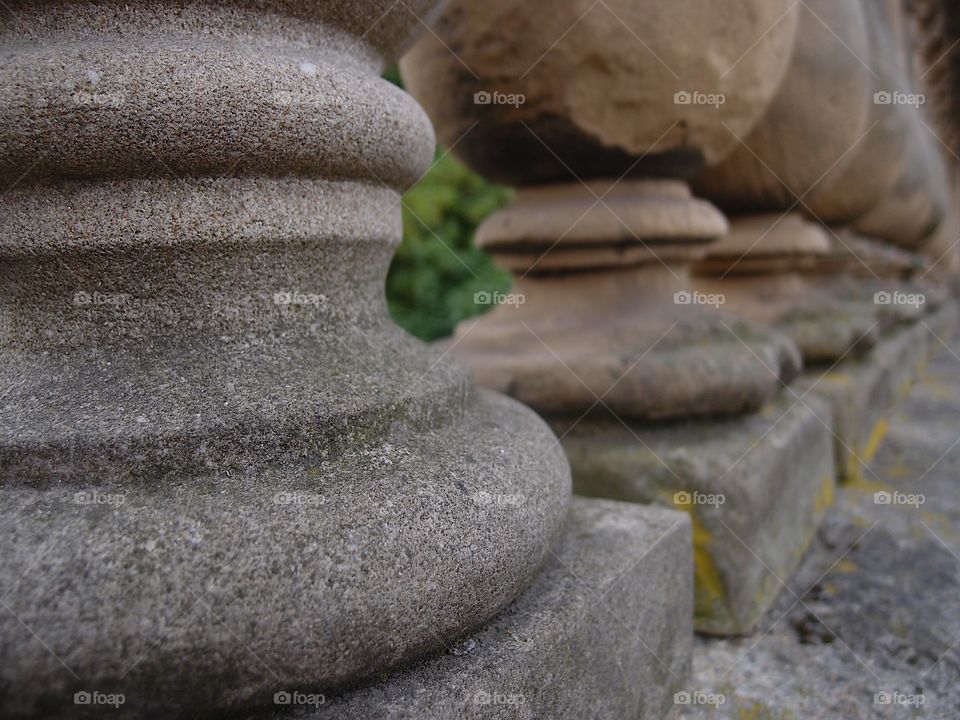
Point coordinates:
[[863, 391], [873, 606], [603, 632], [223, 469], [756, 487]]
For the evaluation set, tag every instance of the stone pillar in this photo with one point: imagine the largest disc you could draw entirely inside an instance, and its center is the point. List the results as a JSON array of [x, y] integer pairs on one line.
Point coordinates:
[[226, 472], [843, 143], [604, 333], [840, 145], [599, 135]]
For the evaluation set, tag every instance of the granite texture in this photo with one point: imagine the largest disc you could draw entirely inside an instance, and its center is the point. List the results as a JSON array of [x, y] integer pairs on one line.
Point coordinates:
[[224, 471], [603, 632], [756, 488]]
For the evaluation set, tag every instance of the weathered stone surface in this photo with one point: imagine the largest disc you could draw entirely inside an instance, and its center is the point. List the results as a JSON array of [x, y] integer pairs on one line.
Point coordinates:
[[564, 226], [863, 391], [821, 109], [604, 112], [604, 631], [219, 590], [774, 470], [223, 469], [870, 622], [632, 337]]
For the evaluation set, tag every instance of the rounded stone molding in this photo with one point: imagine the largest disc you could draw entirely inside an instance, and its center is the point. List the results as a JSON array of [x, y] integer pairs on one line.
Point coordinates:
[[225, 471]]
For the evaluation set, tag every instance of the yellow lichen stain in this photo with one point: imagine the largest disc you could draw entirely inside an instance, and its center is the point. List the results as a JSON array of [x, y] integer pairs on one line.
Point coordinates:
[[830, 589], [826, 496], [858, 482], [837, 377], [904, 390], [880, 431], [710, 593], [758, 711], [899, 470], [846, 567]]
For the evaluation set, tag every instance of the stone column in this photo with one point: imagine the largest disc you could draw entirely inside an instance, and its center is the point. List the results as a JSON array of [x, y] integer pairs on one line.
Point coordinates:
[[226, 472], [841, 145], [599, 115], [599, 134]]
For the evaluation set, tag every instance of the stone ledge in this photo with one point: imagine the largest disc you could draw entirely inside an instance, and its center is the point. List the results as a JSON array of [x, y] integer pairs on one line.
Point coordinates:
[[863, 391], [604, 631], [774, 470]]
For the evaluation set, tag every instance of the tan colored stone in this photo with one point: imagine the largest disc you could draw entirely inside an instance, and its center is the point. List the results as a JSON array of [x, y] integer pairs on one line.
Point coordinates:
[[821, 109], [599, 82], [600, 224]]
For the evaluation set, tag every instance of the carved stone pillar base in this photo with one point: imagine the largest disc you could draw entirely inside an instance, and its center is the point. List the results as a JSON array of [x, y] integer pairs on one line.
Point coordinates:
[[559, 651], [224, 471], [624, 325]]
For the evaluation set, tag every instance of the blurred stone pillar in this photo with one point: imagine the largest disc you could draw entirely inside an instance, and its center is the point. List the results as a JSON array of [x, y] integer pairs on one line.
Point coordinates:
[[226, 472], [599, 115], [843, 144], [839, 145]]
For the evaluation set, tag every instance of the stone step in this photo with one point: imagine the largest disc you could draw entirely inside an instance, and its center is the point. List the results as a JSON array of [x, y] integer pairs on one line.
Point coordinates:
[[863, 391], [603, 632], [756, 488]]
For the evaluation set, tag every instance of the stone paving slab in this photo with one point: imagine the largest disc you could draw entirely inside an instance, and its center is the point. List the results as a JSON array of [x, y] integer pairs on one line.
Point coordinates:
[[756, 488], [604, 632], [870, 625]]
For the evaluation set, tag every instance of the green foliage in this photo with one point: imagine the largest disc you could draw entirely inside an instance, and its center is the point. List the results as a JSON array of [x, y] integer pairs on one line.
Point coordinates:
[[437, 269]]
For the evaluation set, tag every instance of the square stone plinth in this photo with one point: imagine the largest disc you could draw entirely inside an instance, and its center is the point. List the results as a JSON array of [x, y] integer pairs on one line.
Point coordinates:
[[863, 391], [604, 631], [756, 488]]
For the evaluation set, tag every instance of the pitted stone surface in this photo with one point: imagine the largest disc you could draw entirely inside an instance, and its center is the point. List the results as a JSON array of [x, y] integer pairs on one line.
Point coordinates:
[[603, 632], [870, 621], [223, 469], [756, 488]]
